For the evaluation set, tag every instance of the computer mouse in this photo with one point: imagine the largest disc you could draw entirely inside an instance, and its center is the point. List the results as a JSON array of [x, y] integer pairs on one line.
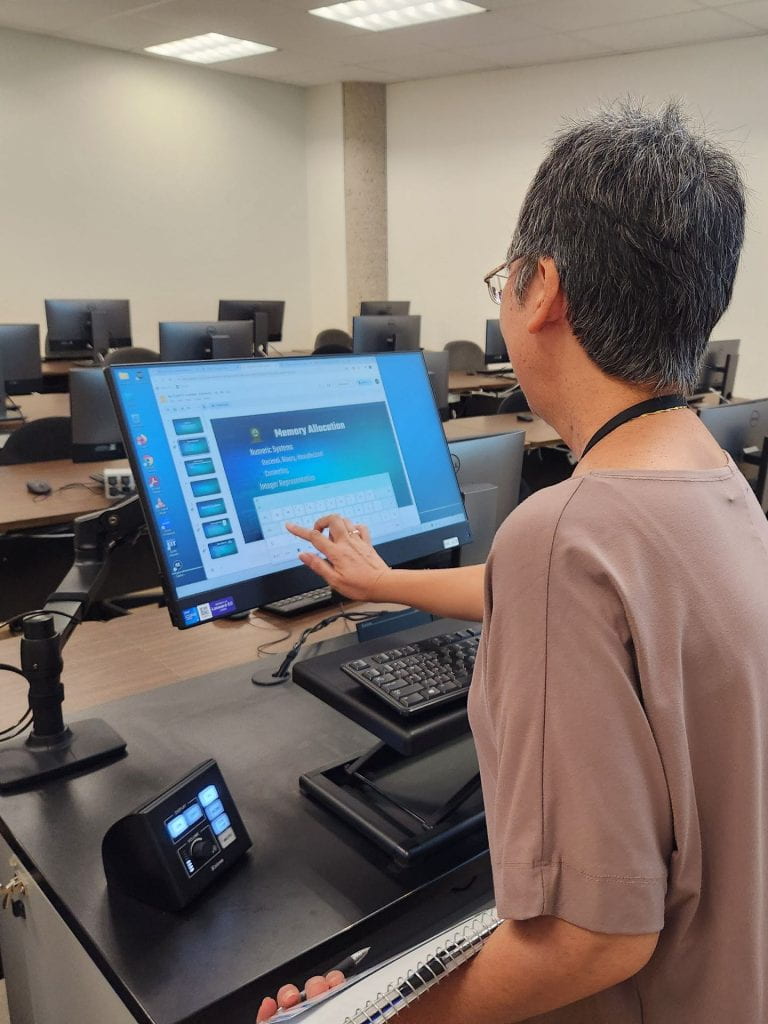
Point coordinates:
[[39, 487]]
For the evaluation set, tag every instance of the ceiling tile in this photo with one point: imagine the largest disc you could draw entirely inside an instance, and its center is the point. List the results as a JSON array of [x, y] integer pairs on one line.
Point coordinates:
[[58, 15], [673, 30], [473, 30], [543, 49], [754, 13], [432, 64], [576, 15]]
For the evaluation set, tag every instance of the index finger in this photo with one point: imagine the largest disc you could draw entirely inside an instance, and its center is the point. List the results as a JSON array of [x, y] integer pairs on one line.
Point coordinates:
[[323, 544]]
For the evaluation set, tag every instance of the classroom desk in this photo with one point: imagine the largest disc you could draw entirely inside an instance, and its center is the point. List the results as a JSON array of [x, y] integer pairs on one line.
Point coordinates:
[[309, 891], [19, 509], [459, 380], [35, 407], [538, 434]]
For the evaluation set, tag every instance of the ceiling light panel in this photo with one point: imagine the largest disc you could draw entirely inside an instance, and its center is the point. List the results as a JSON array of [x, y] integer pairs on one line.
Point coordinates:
[[211, 48], [381, 15]]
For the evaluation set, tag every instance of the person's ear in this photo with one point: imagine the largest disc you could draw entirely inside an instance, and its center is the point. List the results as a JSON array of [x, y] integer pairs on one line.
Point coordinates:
[[545, 297]]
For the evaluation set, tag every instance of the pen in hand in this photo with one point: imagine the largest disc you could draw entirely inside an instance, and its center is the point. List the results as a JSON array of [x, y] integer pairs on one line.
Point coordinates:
[[346, 966]]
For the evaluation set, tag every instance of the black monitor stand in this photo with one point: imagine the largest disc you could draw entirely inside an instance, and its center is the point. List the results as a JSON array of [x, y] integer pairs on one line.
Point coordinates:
[[416, 791], [8, 412]]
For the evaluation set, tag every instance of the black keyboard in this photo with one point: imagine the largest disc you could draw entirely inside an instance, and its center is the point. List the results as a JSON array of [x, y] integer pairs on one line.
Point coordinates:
[[421, 675], [300, 602]]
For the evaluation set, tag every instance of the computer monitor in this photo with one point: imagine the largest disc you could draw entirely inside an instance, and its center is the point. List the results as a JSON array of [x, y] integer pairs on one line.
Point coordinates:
[[718, 372], [20, 353], [437, 368], [495, 349], [246, 309], [383, 307], [385, 334], [494, 460], [224, 453], [741, 429], [222, 339], [96, 433], [86, 328]]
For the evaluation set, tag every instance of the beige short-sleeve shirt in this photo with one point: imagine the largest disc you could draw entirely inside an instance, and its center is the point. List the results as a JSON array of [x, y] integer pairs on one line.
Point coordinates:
[[620, 712]]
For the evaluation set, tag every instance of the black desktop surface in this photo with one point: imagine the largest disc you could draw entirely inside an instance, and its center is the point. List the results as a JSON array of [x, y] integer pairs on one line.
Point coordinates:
[[298, 900]]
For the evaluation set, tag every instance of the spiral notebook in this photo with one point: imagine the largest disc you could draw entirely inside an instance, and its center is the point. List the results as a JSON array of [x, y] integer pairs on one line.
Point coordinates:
[[380, 994]]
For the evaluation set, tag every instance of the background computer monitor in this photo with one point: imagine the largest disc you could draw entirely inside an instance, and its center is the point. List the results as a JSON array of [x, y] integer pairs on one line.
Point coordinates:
[[246, 309], [385, 333], [718, 371], [222, 339], [20, 353], [495, 349], [374, 307], [79, 328], [229, 457], [95, 431], [494, 460], [437, 368], [740, 428]]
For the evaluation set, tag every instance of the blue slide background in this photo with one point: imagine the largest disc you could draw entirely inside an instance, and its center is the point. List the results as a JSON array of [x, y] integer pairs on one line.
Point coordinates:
[[366, 447]]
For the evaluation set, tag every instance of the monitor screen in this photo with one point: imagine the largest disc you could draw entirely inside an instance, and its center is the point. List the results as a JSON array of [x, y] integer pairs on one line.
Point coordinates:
[[244, 309], [82, 327], [718, 372], [374, 307], [224, 453], [20, 353], [222, 339], [495, 349], [385, 334], [95, 431]]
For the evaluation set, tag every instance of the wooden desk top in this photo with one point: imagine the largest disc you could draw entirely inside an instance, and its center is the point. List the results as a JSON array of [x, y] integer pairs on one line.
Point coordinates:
[[59, 367], [458, 380], [35, 407], [538, 434], [19, 508]]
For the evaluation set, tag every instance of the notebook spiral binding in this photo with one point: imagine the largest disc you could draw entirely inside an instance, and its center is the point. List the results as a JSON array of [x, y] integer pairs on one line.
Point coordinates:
[[462, 947]]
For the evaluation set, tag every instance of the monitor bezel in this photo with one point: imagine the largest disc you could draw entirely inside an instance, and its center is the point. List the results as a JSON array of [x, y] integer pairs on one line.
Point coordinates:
[[257, 591]]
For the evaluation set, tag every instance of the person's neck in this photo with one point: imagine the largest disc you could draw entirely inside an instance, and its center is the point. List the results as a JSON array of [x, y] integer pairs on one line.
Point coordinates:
[[582, 409]]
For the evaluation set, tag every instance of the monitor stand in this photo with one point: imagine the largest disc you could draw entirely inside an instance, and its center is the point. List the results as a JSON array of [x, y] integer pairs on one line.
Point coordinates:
[[8, 414], [416, 792]]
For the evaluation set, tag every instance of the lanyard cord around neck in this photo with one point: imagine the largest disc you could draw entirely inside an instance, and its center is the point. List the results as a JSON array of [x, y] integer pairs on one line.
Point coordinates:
[[663, 403]]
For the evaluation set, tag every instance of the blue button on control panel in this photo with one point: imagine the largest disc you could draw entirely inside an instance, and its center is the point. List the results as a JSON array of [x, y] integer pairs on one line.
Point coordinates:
[[193, 813], [214, 810], [208, 795], [220, 824], [176, 826]]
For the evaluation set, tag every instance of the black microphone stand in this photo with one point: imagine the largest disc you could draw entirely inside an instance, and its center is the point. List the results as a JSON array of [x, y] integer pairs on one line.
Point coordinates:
[[54, 748]]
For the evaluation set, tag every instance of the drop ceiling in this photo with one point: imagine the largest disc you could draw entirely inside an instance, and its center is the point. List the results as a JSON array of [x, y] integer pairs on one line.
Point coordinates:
[[312, 51]]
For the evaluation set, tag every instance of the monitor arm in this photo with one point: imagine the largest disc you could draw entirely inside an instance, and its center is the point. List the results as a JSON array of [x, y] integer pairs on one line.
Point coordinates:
[[53, 749]]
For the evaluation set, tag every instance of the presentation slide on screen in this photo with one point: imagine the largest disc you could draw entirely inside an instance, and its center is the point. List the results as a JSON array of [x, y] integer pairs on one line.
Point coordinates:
[[299, 465]]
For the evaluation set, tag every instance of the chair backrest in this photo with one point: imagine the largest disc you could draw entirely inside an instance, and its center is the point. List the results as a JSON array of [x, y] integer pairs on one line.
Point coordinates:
[[516, 402], [38, 441], [131, 355], [464, 355], [332, 341]]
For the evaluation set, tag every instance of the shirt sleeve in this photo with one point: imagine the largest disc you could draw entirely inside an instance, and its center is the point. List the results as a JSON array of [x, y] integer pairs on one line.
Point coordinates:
[[579, 817]]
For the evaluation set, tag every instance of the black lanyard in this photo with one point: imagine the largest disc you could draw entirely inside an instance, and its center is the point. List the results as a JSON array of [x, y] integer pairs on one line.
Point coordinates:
[[661, 404]]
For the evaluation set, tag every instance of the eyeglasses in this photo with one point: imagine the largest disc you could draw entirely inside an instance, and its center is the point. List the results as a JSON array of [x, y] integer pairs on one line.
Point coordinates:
[[496, 279]]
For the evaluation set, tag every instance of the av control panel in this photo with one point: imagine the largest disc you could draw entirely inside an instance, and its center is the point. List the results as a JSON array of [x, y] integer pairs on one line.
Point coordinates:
[[169, 850]]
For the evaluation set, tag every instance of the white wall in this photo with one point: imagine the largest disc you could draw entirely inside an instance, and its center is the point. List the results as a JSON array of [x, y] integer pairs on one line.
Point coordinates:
[[462, 151], [326, 215], [126, 176]]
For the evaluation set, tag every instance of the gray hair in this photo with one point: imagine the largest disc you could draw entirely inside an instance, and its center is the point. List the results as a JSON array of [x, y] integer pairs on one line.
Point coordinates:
[[644, 220]]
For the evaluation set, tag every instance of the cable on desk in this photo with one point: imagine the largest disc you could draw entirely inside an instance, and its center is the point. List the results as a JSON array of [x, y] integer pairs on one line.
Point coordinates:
[[282, 673], [93, 488]]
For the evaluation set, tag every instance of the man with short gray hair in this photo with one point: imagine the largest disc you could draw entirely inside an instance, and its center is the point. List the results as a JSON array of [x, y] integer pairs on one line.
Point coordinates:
[[620, 698]]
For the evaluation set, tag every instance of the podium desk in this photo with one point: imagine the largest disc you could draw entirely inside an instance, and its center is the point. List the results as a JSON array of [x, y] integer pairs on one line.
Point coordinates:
[[308, 892]]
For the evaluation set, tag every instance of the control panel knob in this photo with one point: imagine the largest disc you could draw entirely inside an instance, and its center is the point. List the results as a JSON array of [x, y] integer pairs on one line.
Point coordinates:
[[201, 850]]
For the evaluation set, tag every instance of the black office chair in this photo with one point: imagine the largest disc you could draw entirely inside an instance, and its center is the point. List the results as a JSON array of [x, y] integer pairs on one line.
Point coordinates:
[[464, 355], [516, 402], [332, 341], [38, 441], [479, 405], [131, 355]]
